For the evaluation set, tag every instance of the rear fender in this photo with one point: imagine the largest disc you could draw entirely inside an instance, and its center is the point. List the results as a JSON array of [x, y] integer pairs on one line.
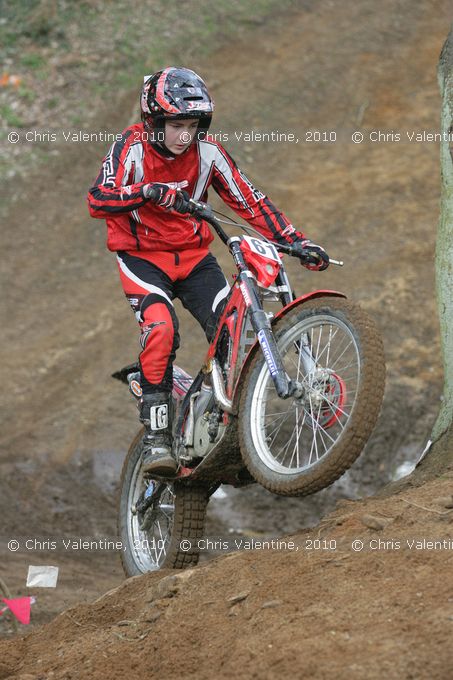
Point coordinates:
[[283, 312]]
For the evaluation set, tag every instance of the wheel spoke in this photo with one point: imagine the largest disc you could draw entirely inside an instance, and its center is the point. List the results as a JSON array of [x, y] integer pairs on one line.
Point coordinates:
[[328, 345], [297, 436], [274, 420], [298, 431], [277, 413], [314, 437], [342, 369], [338, 358], [318, 359], [276, 430], [322, 428], [327, 366], [160, 543], [319, 344], [335, 408], [321, 431], [285, 446]]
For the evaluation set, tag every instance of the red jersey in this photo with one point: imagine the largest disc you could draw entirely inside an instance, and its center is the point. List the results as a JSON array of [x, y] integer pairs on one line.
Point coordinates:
[[136, 224]]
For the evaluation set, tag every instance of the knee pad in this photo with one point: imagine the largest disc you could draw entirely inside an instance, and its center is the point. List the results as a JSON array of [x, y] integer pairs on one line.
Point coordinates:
[[159, 338], [158, 317]]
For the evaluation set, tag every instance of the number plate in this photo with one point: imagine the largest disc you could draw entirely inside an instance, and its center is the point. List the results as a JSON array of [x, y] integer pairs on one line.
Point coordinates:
[[262, 248]]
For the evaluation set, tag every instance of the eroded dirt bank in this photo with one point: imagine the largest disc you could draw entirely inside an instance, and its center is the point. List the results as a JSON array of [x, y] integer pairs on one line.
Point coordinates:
[[327, 613]]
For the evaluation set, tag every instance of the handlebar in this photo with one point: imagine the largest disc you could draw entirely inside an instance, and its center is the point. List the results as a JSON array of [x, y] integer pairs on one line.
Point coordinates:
[[204, 211]]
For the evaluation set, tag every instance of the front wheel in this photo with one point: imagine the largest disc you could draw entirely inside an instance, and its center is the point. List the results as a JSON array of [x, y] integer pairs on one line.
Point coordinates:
[[159, 523], [298, 446]]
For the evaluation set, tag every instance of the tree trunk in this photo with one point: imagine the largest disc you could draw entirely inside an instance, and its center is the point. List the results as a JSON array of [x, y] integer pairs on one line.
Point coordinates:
[[440, 456]]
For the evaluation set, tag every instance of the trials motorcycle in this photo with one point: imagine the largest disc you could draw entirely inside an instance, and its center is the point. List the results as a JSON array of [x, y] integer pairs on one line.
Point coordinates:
[[286, 397]]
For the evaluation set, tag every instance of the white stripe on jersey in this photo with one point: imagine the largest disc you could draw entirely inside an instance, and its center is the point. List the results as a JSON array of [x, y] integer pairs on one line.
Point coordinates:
[[207, 154], [134, 156], [108, 176], [147, 286], [210, 155]]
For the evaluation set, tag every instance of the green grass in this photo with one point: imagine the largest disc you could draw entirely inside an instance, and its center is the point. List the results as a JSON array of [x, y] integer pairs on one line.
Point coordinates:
[[32, 60], [119, 46], [154, 30], [10, 117], [26, 94]]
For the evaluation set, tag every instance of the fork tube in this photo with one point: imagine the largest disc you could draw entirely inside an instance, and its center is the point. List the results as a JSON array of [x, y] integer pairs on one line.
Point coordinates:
[[282, 281], [260, 323]]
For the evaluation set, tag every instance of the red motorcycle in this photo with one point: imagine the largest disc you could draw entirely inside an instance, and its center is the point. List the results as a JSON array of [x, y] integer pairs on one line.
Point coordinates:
[[286, 397]]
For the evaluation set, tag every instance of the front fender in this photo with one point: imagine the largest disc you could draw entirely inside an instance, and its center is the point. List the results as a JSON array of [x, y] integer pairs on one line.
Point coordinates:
[[298, 301], [304, 298]]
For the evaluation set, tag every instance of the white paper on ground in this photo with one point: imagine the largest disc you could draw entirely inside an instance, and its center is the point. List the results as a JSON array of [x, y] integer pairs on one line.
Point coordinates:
[[42, 577]]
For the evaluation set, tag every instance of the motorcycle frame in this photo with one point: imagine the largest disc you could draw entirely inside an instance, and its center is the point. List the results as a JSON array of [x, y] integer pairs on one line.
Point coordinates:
[[242, 301], [244, 297]]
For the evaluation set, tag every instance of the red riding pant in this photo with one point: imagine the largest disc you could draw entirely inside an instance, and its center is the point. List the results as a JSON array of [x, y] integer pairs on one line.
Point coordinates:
[[195, 278]]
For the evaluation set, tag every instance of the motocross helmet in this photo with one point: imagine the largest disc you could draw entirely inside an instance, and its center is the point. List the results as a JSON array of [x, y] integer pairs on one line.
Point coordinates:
[[171, 94]]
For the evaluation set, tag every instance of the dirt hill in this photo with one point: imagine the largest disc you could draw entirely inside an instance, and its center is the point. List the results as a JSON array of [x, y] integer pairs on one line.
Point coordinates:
[[310, 613]]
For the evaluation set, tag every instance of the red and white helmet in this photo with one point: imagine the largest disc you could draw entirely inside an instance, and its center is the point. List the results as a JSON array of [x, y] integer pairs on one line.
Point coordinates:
[[175, 93]]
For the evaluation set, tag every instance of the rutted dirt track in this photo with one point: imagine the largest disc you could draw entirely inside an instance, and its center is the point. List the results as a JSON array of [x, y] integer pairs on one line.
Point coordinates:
[[327, 66]]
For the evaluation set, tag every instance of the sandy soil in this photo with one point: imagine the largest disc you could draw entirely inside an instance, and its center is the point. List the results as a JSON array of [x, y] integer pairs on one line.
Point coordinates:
[[66, 427]]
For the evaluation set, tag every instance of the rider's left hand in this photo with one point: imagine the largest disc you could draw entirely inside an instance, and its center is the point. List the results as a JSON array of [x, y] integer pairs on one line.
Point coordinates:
[[312, 256]]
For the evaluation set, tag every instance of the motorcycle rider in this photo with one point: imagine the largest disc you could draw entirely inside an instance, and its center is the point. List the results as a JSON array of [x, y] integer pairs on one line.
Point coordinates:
[[162, 251]]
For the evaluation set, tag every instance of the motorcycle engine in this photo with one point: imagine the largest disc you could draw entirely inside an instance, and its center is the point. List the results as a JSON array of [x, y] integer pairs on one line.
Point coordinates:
[[204, 438]]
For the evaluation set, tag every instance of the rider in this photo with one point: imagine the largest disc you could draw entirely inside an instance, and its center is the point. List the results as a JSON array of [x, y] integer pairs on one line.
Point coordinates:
[[162, 251]]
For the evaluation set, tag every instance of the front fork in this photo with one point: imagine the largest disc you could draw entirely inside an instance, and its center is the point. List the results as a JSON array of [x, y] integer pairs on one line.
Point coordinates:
[[284, 386]]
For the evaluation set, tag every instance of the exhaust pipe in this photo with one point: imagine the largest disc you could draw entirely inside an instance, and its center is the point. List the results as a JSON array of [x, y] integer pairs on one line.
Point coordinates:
[[219, 388]]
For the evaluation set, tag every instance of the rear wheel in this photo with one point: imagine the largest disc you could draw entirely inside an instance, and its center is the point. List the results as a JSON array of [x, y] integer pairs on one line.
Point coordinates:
[[159, 523], [300, 445]]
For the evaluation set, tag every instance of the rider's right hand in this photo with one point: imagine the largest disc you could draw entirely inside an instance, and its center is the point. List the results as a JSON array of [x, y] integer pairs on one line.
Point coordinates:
[[167, 197], [160, 194]]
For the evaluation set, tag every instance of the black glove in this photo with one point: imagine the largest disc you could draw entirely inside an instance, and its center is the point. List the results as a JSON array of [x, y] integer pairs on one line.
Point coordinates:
[[167, 197], [160, 194], [181, 204], [311, 255]]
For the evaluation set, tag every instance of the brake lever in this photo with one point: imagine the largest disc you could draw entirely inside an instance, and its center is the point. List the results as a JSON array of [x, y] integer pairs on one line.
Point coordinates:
[[338, 263], [199, 208]]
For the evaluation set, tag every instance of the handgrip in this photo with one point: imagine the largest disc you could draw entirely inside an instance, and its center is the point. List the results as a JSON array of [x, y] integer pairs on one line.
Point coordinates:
[[153, 193]]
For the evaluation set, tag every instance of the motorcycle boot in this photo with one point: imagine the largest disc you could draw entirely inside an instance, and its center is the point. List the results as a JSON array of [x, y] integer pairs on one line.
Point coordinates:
[[156, 415]]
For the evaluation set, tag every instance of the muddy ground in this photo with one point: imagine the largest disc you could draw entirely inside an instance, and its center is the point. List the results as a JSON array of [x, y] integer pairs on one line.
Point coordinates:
[[325, 66]]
